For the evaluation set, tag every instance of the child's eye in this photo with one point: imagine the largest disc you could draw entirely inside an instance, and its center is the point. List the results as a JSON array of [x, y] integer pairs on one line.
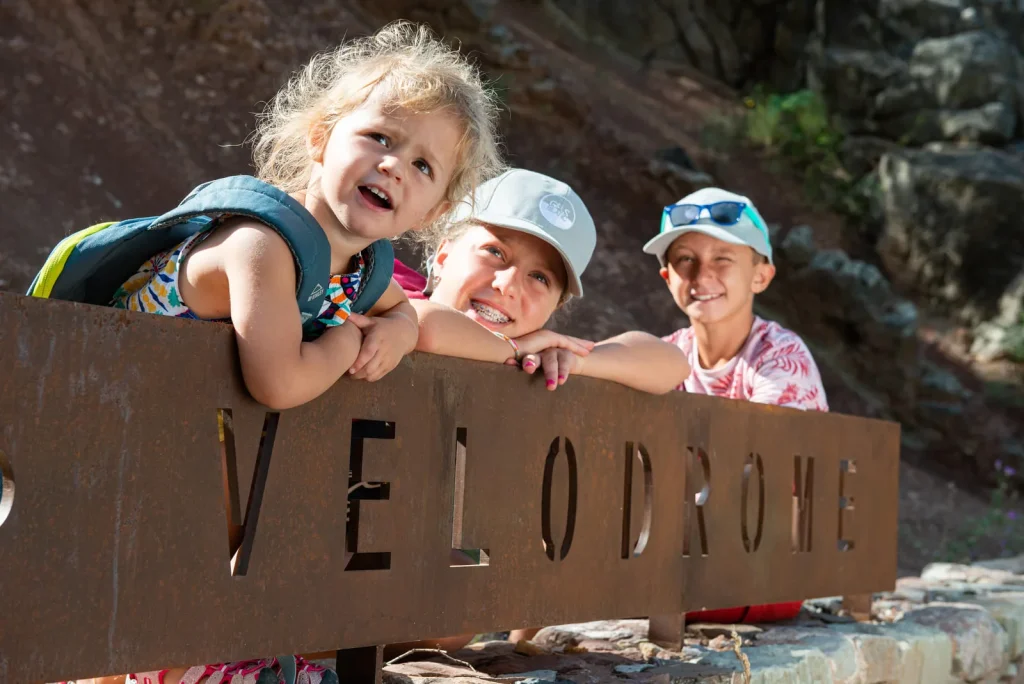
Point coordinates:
[[540, 277], [379, 137], [424, 167], [494, 250]]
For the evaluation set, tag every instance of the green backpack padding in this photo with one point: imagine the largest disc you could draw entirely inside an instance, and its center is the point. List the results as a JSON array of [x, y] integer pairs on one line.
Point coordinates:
[[90, 265]]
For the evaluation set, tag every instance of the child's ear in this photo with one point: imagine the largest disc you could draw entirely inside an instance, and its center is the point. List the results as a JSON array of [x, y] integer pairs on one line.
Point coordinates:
[[440, 256], [763, 275], [316, 141], [663, 272]]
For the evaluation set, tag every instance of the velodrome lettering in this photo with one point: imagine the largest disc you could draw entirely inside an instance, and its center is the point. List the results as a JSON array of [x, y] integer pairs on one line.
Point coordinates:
[[752, 502]]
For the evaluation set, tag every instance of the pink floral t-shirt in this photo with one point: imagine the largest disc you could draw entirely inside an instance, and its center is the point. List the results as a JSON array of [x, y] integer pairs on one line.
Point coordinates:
[[773, 367]]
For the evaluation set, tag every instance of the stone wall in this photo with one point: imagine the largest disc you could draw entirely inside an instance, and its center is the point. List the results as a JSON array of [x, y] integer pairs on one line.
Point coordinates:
[[953, 624]]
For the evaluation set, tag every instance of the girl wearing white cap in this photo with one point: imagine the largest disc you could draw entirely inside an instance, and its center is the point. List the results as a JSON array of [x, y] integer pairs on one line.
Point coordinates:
[[513, 256]]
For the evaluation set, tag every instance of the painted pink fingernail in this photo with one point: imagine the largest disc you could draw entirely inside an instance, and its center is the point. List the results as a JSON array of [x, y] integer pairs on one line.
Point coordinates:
[[551, 383], [561, 377], [528, 363]]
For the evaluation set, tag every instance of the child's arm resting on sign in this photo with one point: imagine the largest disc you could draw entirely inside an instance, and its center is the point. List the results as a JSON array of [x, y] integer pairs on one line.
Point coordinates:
[[447, 332], [390, 330], [280, 370], [634, 359]]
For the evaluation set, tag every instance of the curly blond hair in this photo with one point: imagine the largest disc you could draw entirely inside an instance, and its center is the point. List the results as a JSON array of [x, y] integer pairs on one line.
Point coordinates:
[[406, 68]]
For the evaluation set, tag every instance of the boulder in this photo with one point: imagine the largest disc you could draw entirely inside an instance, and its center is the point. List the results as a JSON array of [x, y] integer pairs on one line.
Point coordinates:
[[991, 124], [671, 31], [851, 79], [674, 167], [980, 644], [897, 25], [851, 23], [959, 88], [967, 70], [848, 306], [923, 17], [1004, 18], [938, 384], [860, 154], [916, 71], [970, 574], [1014, 564], [901, 98], [952, 229], [734, 41]]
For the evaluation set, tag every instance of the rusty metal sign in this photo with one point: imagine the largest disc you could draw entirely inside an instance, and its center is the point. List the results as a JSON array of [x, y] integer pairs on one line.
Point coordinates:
[[159, 517]]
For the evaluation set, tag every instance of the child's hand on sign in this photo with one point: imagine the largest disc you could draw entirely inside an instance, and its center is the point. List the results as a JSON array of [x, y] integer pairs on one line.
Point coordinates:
[[559, 355], [541, 340], [557, 364], [385, 341]]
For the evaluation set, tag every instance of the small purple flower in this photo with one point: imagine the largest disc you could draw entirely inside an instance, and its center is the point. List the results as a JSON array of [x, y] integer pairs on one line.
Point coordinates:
[[1012, 515], [999, 464], [1009, 471]]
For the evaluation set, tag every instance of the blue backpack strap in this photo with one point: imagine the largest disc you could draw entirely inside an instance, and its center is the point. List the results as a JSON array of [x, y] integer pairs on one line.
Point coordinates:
[[380, 267], [248, 196]]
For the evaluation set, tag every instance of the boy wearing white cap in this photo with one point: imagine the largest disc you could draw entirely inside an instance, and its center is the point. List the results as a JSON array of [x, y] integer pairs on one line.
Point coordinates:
[[715, 255]]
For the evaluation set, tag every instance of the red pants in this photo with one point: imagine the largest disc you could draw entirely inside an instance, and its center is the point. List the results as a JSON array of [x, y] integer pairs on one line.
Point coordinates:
[[772, 612]]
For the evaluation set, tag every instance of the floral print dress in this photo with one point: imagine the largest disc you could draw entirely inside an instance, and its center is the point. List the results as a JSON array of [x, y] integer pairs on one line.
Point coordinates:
[[154, 288]]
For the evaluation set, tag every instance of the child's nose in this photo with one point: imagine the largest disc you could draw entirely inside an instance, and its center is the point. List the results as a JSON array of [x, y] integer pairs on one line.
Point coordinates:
[[390, 166], [506, 281], [702, 271]]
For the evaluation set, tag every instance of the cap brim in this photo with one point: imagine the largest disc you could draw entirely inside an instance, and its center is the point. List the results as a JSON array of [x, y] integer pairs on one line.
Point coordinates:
[[659, 245], [575, 285]]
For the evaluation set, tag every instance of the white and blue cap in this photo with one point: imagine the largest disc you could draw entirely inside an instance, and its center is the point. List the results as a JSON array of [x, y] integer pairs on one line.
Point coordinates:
[[749, 228], [532, 203]]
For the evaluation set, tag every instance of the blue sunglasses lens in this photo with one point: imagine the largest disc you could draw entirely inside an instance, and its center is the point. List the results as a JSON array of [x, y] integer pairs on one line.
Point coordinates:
[[683, 214], [724, 213]]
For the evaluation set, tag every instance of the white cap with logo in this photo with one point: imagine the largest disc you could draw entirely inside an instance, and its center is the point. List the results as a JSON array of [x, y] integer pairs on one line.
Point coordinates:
[[541, 206]]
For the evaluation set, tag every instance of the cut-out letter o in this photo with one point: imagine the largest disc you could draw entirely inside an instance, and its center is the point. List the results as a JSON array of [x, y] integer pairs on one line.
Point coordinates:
[[6, 488], [570, 513]]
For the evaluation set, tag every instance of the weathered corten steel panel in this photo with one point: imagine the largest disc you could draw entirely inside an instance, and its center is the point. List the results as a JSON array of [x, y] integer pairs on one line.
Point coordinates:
[[133, 445]]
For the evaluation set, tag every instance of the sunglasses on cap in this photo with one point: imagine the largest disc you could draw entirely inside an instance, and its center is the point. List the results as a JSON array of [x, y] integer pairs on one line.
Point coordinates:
[[722, 213]]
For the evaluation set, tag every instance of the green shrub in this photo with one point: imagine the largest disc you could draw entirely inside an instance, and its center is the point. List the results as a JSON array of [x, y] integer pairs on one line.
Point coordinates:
[[798, 129]]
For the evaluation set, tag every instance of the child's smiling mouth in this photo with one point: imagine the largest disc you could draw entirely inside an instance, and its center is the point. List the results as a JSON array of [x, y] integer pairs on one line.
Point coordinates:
[[489, 313], [375, 197], [705, 297]]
